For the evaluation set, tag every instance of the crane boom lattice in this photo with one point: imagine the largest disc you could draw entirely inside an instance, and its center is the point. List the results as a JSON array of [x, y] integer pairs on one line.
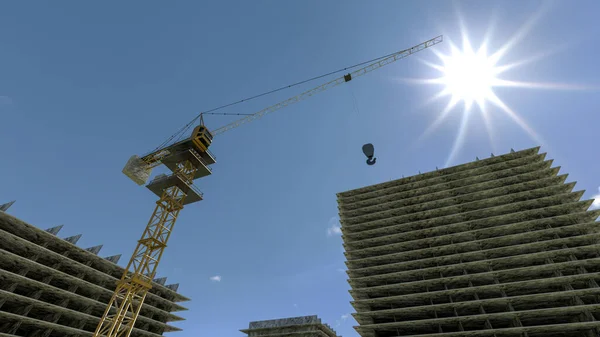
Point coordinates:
[[360, 72], [188, 159]]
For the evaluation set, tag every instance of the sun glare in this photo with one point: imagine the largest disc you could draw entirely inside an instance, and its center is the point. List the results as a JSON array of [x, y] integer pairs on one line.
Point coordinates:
[[469, 76]]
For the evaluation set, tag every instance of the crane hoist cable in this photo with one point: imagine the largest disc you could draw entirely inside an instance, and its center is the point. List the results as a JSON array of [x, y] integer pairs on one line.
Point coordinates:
[[373, 64], [346, 78], [188, 160], [186, 127]]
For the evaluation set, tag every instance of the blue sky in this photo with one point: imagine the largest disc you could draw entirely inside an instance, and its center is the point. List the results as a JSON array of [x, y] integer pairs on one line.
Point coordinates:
[[85, 85]]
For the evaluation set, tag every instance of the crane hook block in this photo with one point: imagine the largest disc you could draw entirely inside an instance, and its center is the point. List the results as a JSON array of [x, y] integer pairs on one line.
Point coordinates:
[[369, 151]]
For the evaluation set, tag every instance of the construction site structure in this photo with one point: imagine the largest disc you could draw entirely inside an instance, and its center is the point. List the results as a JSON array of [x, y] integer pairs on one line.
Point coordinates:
[[6, 206], [305, 326], [49, 287], [500, 246], [188, 160]]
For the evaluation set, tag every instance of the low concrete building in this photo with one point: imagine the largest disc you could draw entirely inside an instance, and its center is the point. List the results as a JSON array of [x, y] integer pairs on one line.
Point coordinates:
[[49, 287], [303, 326], [497, 247]]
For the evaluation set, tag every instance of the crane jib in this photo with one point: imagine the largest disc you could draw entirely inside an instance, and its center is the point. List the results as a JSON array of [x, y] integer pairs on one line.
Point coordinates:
[[346, 78]]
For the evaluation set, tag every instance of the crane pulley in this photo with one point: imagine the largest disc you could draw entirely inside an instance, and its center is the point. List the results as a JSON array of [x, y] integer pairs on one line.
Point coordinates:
[[188, 159]]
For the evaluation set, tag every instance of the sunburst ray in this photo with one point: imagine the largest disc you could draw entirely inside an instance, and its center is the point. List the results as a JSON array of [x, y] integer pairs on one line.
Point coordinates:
[[470, 75]]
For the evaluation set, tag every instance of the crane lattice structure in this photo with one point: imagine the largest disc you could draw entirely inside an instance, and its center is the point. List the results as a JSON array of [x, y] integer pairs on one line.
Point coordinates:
[[188, 160]]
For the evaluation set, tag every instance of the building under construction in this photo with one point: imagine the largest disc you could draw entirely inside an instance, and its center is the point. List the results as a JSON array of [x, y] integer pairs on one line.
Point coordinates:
[[49, 287], [304, 326], [496, 247]]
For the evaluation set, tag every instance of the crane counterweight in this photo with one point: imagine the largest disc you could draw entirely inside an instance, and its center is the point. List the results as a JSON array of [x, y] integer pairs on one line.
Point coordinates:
[[137, 170]]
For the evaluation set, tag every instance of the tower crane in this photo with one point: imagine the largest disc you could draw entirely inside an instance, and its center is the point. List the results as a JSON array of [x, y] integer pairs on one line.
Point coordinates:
[[188, 159]]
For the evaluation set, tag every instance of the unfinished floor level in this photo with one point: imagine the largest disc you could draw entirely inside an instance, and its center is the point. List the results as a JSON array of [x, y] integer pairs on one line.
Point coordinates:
[[497, 247], [49, 287], [303, 326]]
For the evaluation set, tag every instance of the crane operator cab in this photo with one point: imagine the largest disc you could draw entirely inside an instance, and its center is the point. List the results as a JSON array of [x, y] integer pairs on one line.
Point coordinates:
[[201, 137]]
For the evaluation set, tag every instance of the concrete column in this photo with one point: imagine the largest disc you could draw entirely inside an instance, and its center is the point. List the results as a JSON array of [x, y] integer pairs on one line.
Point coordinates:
[[41, 333], [46, 333], [88, 310], [36, 294], [81, 325], [80, 275], [4, 327], [14, 328], [25, 310]]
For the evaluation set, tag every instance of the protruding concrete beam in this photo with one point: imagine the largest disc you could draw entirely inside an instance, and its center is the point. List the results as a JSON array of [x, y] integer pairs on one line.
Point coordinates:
[[161, 280], [114, 259], [95, 249], [54, 230], [173, 286], [73, 239], [5, 207]]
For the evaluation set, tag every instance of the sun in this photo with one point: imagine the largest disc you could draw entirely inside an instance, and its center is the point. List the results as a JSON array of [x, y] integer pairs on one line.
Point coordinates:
[[469, 76]]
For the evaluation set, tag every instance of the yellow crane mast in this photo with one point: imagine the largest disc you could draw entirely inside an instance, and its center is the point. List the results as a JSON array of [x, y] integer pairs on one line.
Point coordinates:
[[188, 160]]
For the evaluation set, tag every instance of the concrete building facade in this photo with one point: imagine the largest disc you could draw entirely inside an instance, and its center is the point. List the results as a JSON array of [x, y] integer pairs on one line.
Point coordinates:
[[496, 247], [49, 287], [303, 326]]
